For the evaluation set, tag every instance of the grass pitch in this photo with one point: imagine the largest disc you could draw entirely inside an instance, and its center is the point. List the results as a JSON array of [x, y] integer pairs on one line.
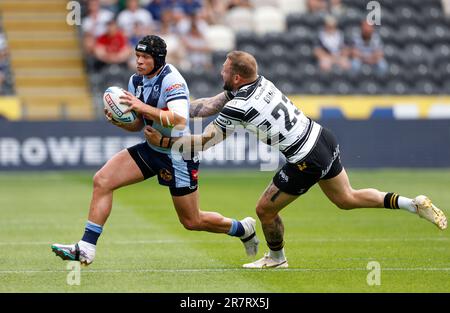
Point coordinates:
[[145, 249]]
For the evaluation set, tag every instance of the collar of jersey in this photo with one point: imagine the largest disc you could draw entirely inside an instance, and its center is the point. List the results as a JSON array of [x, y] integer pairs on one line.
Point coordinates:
[[252, 83], [150, 81]]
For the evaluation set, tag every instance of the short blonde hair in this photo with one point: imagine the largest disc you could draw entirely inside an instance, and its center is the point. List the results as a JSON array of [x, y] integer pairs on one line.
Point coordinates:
[[243, 63]]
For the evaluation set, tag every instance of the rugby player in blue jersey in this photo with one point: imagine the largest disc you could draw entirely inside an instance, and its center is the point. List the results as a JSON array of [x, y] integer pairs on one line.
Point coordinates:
[[160, 97]]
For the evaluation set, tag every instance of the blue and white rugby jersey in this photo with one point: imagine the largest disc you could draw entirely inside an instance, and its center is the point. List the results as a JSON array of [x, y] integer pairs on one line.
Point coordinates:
[[263, 109], [166, 90]]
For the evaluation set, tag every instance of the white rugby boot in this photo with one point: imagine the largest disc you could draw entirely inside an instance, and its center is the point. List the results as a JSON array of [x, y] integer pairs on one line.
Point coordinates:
[[427, 210], [267, 262], [249, 239], [80, 251]]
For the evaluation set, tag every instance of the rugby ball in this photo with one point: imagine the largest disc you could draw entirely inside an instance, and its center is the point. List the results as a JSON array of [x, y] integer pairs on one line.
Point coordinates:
[[111, 101]]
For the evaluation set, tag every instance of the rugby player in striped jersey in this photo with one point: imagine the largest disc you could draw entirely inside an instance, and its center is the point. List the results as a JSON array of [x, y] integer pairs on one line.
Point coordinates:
[[311, 151]]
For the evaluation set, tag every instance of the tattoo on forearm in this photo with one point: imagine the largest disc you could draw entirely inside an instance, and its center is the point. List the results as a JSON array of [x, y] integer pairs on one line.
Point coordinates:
[[196, 110], [207, 106]]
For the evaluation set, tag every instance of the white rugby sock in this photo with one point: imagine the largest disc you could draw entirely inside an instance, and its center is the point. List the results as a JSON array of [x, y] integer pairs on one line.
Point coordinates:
[[277, 255], [406, 204]]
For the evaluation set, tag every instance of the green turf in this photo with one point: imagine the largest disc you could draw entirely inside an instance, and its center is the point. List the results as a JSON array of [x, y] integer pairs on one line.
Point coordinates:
[[145, 249]]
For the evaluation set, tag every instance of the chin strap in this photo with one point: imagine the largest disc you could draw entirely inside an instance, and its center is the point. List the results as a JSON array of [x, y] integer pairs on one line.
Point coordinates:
[[156, 68]]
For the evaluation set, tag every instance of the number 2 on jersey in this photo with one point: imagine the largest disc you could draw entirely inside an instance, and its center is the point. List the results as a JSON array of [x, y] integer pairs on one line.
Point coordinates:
[[288, 123]]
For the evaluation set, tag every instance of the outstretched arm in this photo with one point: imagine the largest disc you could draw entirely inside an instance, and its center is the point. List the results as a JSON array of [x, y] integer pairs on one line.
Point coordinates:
[[211, 136], [208, 106]]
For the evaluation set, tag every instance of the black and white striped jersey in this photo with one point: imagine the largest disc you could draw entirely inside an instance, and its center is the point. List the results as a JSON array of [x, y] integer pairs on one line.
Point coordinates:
[[263, 109]]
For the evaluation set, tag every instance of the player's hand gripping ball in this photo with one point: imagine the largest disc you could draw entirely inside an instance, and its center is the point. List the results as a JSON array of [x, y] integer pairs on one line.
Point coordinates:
[[111, 101]]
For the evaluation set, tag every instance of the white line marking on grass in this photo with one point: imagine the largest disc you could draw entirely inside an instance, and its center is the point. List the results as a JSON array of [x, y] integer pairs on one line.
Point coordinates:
[[176, 241], [221, 270]]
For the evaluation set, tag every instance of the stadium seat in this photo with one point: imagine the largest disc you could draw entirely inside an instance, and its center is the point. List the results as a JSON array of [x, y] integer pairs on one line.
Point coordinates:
[[246, 38], [444, 70], [425, 87], [313, 87], [438, 33], [433, 13], [441, 53], [220, 38], [445, 89], [265, 59], [405, 15], [268, 19], [412, 33], [239, 19], [272, 38], [397, 87], [304, 52], [393, 54], [340, 87], [303, 35], [289, 6], [252, 49], [388, 18], [355, 5], [287, 87], [293, 20], [261, 3], [218, 57], [369, 86], [277, 51], [416, 47], [415, 53], [312, 21]]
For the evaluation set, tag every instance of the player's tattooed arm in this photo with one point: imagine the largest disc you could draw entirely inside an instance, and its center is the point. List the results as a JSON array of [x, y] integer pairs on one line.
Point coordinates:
[[211, 136], [208, 106]]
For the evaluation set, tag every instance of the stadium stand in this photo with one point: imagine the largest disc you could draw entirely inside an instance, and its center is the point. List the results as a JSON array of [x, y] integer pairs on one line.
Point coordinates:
[[414, 36], [46, 60]]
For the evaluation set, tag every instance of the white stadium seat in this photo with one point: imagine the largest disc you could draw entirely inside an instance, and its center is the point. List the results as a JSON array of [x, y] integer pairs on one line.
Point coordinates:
[[220, 38], [269, 19], [261, 3], [240, 19], [292, 6]]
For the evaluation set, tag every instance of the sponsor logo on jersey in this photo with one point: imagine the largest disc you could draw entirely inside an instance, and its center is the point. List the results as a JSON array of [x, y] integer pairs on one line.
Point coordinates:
[[302, 166], [284, 177], [112, 105], [165, 174], [223, 120], [155, 92], [335, 156], [174, 86]]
